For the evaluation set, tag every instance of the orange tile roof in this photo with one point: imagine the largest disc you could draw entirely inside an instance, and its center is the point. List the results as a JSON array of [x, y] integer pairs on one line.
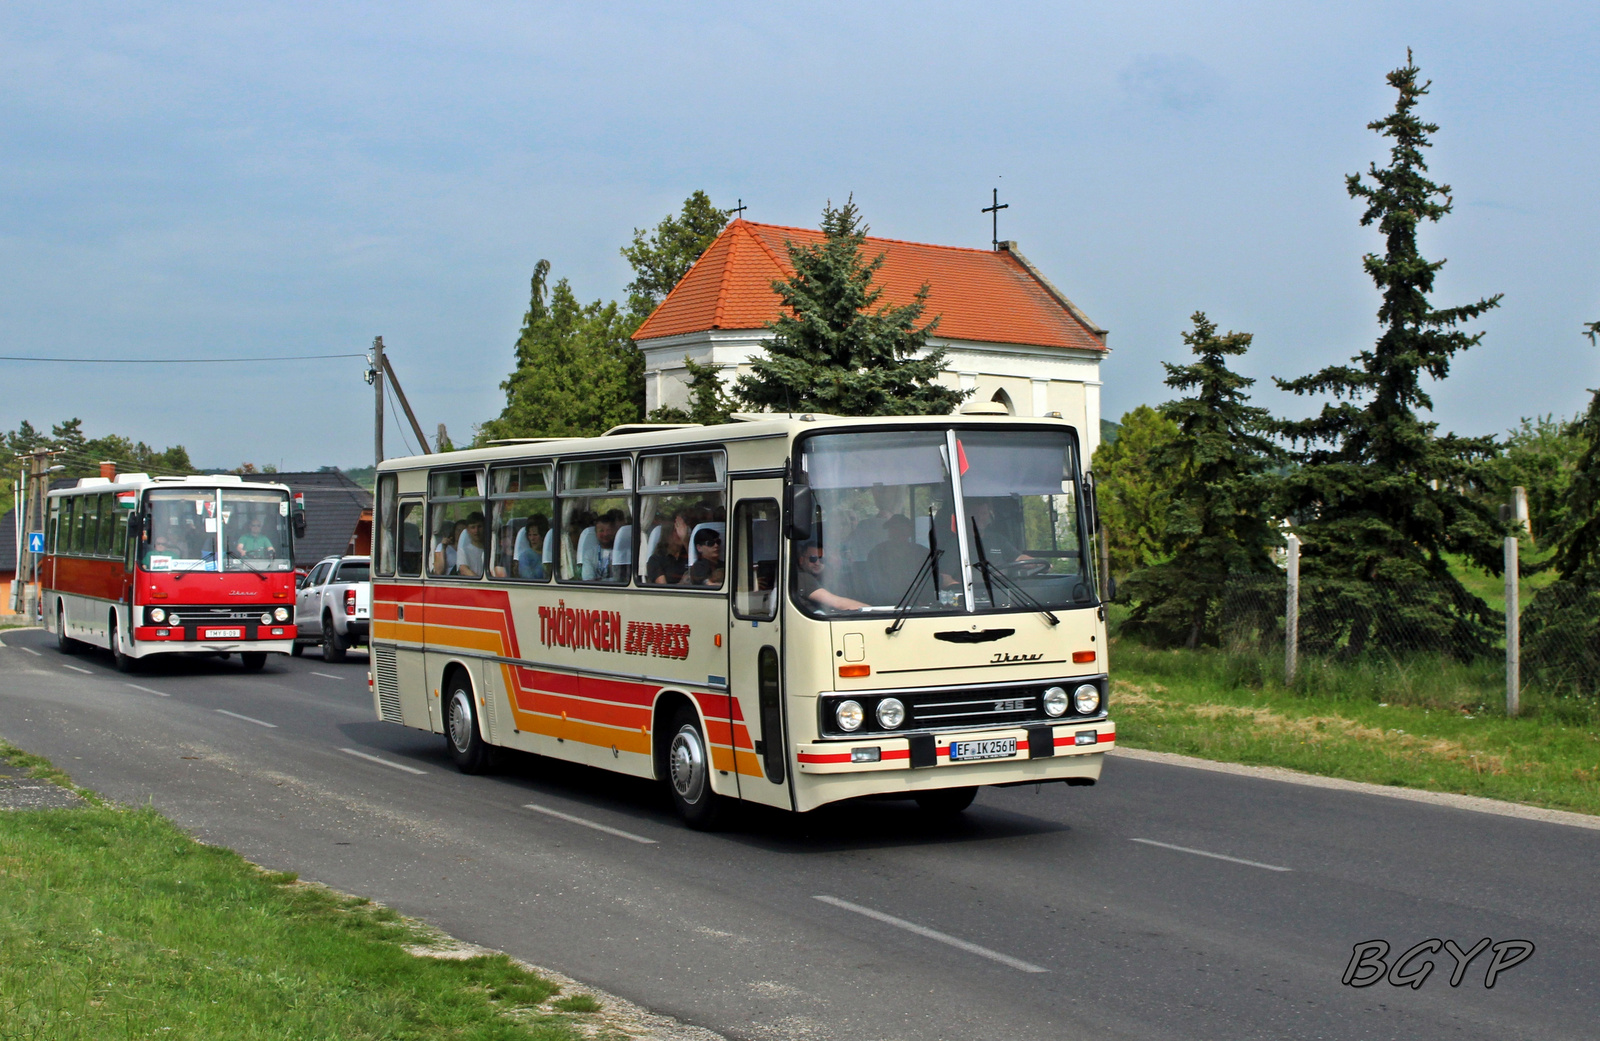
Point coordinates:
[[978, 294]]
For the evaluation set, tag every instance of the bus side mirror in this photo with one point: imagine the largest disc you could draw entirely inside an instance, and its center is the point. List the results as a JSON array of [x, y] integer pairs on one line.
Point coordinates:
[[299, 524], [135, 526], [1094, 504], [799, 510]]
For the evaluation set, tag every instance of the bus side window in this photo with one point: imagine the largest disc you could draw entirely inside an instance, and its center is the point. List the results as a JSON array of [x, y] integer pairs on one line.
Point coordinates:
[[385, 529], [755, 566]]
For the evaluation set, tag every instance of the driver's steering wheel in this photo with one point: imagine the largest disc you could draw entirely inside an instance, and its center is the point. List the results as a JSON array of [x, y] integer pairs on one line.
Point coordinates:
[[1024, 568]]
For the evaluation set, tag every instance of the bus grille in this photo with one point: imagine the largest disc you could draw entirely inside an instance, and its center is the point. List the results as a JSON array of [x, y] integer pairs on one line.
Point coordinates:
[[1006, 705], [386, 673]]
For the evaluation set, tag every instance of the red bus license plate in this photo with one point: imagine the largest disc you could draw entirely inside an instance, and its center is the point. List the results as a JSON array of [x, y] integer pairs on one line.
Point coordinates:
[[224, 634], [995, 748]]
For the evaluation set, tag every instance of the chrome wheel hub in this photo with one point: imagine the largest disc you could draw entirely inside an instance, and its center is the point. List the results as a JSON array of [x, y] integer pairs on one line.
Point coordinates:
[[686, 760], [461, 721]]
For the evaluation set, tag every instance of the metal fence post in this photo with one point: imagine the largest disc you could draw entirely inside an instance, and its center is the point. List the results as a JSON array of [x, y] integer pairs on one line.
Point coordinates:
[[1291, 615], [1513, 632]]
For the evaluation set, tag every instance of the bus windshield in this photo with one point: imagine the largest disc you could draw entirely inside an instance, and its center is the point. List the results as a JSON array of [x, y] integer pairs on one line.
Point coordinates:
[[212, 529], [886, 534]]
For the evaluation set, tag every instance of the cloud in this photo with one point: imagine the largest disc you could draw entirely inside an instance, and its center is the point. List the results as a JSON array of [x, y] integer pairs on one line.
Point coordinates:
[[1175, 82]]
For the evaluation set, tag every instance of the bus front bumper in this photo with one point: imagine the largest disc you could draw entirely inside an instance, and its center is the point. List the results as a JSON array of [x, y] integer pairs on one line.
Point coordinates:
[[159, 639], [923, 753]]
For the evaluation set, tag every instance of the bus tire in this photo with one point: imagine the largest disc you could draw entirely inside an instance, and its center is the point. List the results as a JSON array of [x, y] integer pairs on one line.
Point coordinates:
[[946, 802], [64, 643], [689, 772], [298, 649], [252, 660], [333, 648], [467, 747], [124, 662]]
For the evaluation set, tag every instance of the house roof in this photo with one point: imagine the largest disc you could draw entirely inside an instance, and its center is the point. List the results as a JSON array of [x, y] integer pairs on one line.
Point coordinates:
[[992, 296], [333, 508]]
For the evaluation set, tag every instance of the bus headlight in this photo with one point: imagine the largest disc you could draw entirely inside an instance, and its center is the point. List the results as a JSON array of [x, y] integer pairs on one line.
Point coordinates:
[[891, 713], [849, 715], [281, 615], [1086, 699], [157, 614], [266, 617], [174, 619], [1055, 701]]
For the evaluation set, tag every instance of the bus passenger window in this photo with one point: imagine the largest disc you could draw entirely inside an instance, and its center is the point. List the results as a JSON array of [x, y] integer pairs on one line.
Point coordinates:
[[522, 506], [597, 529], [458, 547], [682, 509], [384, 529]]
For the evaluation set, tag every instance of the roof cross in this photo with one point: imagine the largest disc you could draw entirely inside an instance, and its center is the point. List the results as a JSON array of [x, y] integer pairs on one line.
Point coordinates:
[[738, 211], [995, 209]]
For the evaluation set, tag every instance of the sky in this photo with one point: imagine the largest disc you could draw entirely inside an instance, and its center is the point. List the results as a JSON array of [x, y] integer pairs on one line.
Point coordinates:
[[197, 180]]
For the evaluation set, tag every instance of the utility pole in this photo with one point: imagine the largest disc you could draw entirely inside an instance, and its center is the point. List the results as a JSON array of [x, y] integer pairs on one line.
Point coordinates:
[[411, 417], [36, 481], [375, 377]]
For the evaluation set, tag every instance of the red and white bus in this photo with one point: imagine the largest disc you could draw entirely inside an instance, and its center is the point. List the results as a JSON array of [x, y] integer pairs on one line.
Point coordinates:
[[143, 566]]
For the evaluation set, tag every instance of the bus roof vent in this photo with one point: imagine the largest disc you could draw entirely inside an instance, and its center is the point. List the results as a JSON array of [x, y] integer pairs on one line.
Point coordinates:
[[984, 408], [92, 482], [646, 428], [131, 478]]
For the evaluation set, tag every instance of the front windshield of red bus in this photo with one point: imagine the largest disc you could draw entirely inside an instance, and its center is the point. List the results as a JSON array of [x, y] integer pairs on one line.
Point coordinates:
[[886, 534], [211, 529]]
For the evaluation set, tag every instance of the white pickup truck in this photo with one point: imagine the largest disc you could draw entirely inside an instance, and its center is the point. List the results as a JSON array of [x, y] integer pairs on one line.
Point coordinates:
[[333, 606]]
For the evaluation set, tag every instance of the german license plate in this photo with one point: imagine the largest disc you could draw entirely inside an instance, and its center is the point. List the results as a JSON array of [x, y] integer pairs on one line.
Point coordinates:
[[994, 748], [224, 634]]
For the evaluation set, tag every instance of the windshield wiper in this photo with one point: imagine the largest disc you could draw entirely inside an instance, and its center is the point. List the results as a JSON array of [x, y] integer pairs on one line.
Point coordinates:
[[992, 574], [244, 565], [929, 566]]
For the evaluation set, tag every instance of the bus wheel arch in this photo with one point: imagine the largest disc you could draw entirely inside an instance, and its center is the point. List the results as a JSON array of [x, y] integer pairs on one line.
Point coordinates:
[[114, 636], [64, 643], [684, 761], [462, 735]]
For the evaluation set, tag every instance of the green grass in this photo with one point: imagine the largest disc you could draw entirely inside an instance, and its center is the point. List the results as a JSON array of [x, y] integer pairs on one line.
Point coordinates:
[[115, 924], [1491, 589], [1423, 724]]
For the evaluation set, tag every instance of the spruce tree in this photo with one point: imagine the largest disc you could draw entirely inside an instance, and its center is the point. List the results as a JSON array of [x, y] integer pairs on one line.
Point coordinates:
[[1577, 555], [1217, 467], [836, 350], [662, 257], [1379, 495]]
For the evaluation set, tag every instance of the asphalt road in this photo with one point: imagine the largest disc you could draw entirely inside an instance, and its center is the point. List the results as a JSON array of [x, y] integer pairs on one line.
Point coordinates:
[[1046, 913]]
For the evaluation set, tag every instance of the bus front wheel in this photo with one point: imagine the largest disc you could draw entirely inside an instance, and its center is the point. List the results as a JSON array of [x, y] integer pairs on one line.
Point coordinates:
[[467, 746], [64, 643], [124, 662], [253, 660], [689, 772]]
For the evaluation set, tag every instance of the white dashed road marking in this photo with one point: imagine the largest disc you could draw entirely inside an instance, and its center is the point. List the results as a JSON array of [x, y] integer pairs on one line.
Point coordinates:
[[1213, 856], [382, 762], [570, 819], [248, 719], [327, 675], [147, 690], [33, 652], [74, 668], [933, 934]]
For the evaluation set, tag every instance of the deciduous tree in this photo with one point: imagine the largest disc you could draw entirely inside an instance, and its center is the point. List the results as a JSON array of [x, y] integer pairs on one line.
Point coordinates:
[[1134, 493]]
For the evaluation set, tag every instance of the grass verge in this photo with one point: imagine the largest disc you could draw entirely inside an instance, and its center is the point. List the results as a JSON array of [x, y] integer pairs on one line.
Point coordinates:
[[115, 924], [1423, 724]]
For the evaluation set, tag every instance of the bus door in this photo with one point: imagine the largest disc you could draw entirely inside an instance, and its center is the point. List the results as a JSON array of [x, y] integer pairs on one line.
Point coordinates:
[[754, 640]]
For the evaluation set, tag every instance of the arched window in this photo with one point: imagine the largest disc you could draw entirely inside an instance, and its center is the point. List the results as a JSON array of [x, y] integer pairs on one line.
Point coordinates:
[[1003, 399]]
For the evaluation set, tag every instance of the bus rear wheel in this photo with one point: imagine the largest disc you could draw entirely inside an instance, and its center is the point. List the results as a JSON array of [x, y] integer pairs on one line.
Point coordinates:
[[253, 660], [124, 662], [689, 772], [946, 802], [467, 747]]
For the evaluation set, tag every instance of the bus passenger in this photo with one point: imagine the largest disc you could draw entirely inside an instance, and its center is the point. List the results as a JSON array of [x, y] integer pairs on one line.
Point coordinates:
[[667, 565], [894, 562], [469, 546], [444, 549], [595, 563], [809, 578], [707, 569], [532, 534]]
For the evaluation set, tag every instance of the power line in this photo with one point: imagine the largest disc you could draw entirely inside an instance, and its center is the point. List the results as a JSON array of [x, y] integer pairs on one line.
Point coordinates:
[[179, 361], [388, 391]]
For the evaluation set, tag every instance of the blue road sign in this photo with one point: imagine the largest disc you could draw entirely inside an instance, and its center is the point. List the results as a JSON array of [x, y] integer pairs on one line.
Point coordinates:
[[35, 542]]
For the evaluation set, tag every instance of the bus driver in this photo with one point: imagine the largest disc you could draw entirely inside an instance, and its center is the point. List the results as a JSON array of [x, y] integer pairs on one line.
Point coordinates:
[[808, 582]]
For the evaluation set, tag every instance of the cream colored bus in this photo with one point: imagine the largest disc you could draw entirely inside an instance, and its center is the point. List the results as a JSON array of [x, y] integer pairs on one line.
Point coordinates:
[[787, 610]]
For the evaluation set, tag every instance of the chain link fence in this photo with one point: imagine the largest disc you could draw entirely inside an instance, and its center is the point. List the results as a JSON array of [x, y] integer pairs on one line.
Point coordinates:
[[1405, 636]]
